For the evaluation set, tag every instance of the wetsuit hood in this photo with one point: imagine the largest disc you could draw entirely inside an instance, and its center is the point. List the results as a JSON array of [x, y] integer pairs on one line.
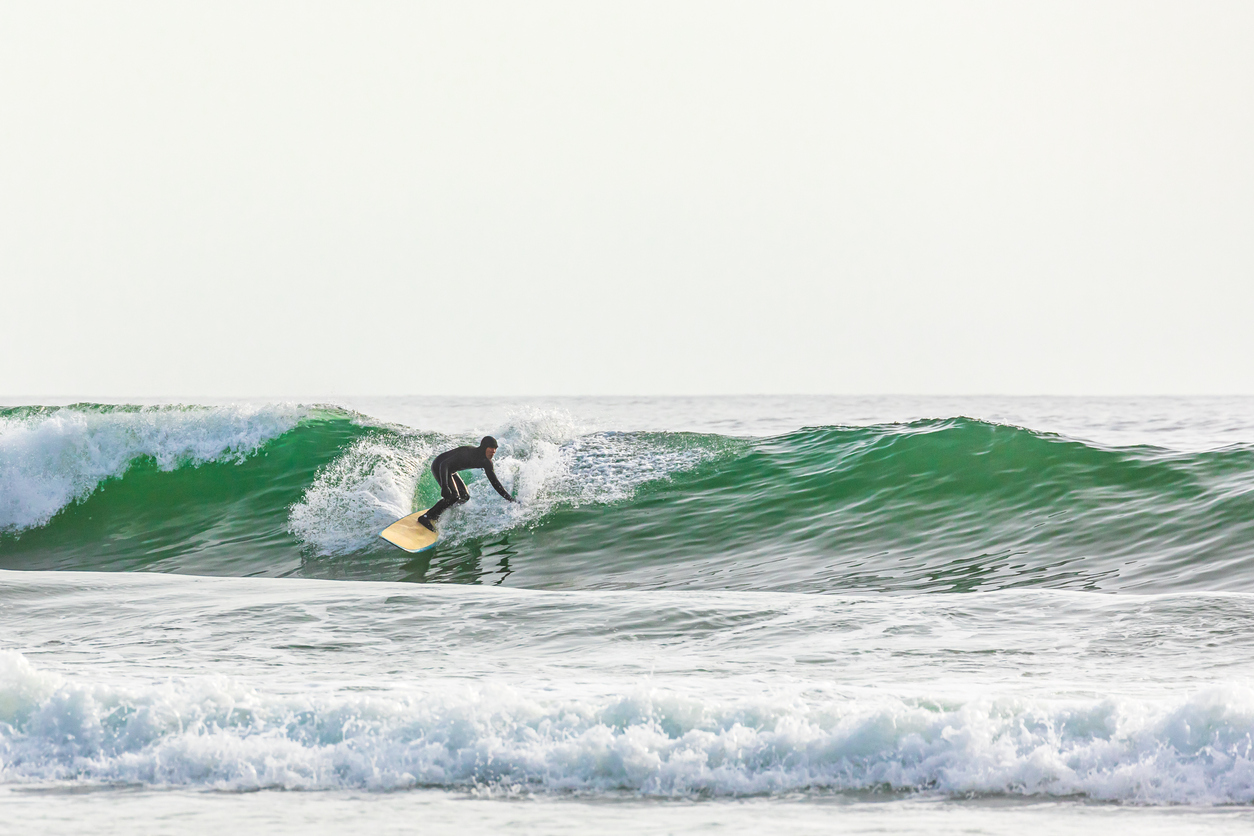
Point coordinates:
[[488, 441]]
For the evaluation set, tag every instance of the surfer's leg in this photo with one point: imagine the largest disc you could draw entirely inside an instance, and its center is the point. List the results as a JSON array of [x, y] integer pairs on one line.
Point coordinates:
[[452, 492], [449, 494], [458, 485], [438, 509]]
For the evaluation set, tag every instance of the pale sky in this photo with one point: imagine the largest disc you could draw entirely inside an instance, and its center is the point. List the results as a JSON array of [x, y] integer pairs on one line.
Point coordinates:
[[626, 198]]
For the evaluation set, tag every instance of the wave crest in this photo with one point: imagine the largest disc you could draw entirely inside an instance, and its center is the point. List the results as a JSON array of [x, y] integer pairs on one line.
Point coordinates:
[[50, 458]]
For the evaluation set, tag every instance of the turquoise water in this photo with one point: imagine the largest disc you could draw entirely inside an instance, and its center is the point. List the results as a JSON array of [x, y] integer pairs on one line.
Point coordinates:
[[864, 613]]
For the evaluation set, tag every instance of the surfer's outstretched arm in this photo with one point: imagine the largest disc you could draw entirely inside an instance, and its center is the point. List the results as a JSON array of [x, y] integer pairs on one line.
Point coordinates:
[[496, 483]]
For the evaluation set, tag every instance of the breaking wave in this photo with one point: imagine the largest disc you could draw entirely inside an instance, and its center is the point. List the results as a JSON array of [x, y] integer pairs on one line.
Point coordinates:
[[215, 732], [936, 505]]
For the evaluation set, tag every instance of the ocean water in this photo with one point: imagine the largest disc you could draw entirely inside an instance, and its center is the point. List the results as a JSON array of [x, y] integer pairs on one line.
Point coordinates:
[[774, 614]]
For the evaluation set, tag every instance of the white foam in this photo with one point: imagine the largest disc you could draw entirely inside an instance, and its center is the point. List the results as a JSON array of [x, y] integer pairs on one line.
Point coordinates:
[[50, 459], [546, 459], [367, 488], [216, 732]]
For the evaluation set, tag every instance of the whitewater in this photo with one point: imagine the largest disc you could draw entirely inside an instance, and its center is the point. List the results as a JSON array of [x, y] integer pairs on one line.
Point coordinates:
[[774, 614]]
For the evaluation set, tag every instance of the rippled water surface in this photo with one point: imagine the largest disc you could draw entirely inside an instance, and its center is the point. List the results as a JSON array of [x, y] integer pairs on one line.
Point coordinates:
[[788, 614]]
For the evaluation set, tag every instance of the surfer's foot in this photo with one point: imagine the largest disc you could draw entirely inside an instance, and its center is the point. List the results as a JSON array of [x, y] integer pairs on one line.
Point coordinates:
[[426, 523]]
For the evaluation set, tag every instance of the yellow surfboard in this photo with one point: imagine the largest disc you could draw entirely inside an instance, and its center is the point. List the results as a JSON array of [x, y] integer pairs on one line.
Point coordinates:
[[409, 534]]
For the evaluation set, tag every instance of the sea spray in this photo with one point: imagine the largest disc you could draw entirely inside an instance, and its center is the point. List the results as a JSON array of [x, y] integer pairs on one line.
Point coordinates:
[[369, 487], [546, 459]]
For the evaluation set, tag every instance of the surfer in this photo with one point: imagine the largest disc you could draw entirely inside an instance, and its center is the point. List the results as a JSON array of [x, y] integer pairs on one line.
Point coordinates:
[[452, 488]]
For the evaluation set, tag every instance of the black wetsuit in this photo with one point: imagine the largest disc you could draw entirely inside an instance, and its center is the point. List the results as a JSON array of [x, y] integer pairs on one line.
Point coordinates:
[[452, 488]]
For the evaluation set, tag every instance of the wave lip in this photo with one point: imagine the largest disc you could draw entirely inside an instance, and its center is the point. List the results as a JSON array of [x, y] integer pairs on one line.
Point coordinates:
[[50, 458], [215, 732]]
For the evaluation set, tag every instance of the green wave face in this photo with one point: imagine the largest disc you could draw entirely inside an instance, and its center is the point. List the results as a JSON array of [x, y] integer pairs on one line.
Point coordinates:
[[954, 505]]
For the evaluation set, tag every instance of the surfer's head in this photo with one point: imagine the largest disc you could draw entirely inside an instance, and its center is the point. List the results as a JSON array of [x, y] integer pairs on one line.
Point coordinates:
[[488, 446]]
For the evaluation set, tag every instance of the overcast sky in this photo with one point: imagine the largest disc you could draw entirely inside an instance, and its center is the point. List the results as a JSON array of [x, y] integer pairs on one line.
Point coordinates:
[[626, 198]]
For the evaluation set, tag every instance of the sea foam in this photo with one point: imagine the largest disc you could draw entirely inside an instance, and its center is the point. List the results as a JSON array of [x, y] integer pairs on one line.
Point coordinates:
[[220, 733], [51, 458], [368, 487], [546, 459]]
